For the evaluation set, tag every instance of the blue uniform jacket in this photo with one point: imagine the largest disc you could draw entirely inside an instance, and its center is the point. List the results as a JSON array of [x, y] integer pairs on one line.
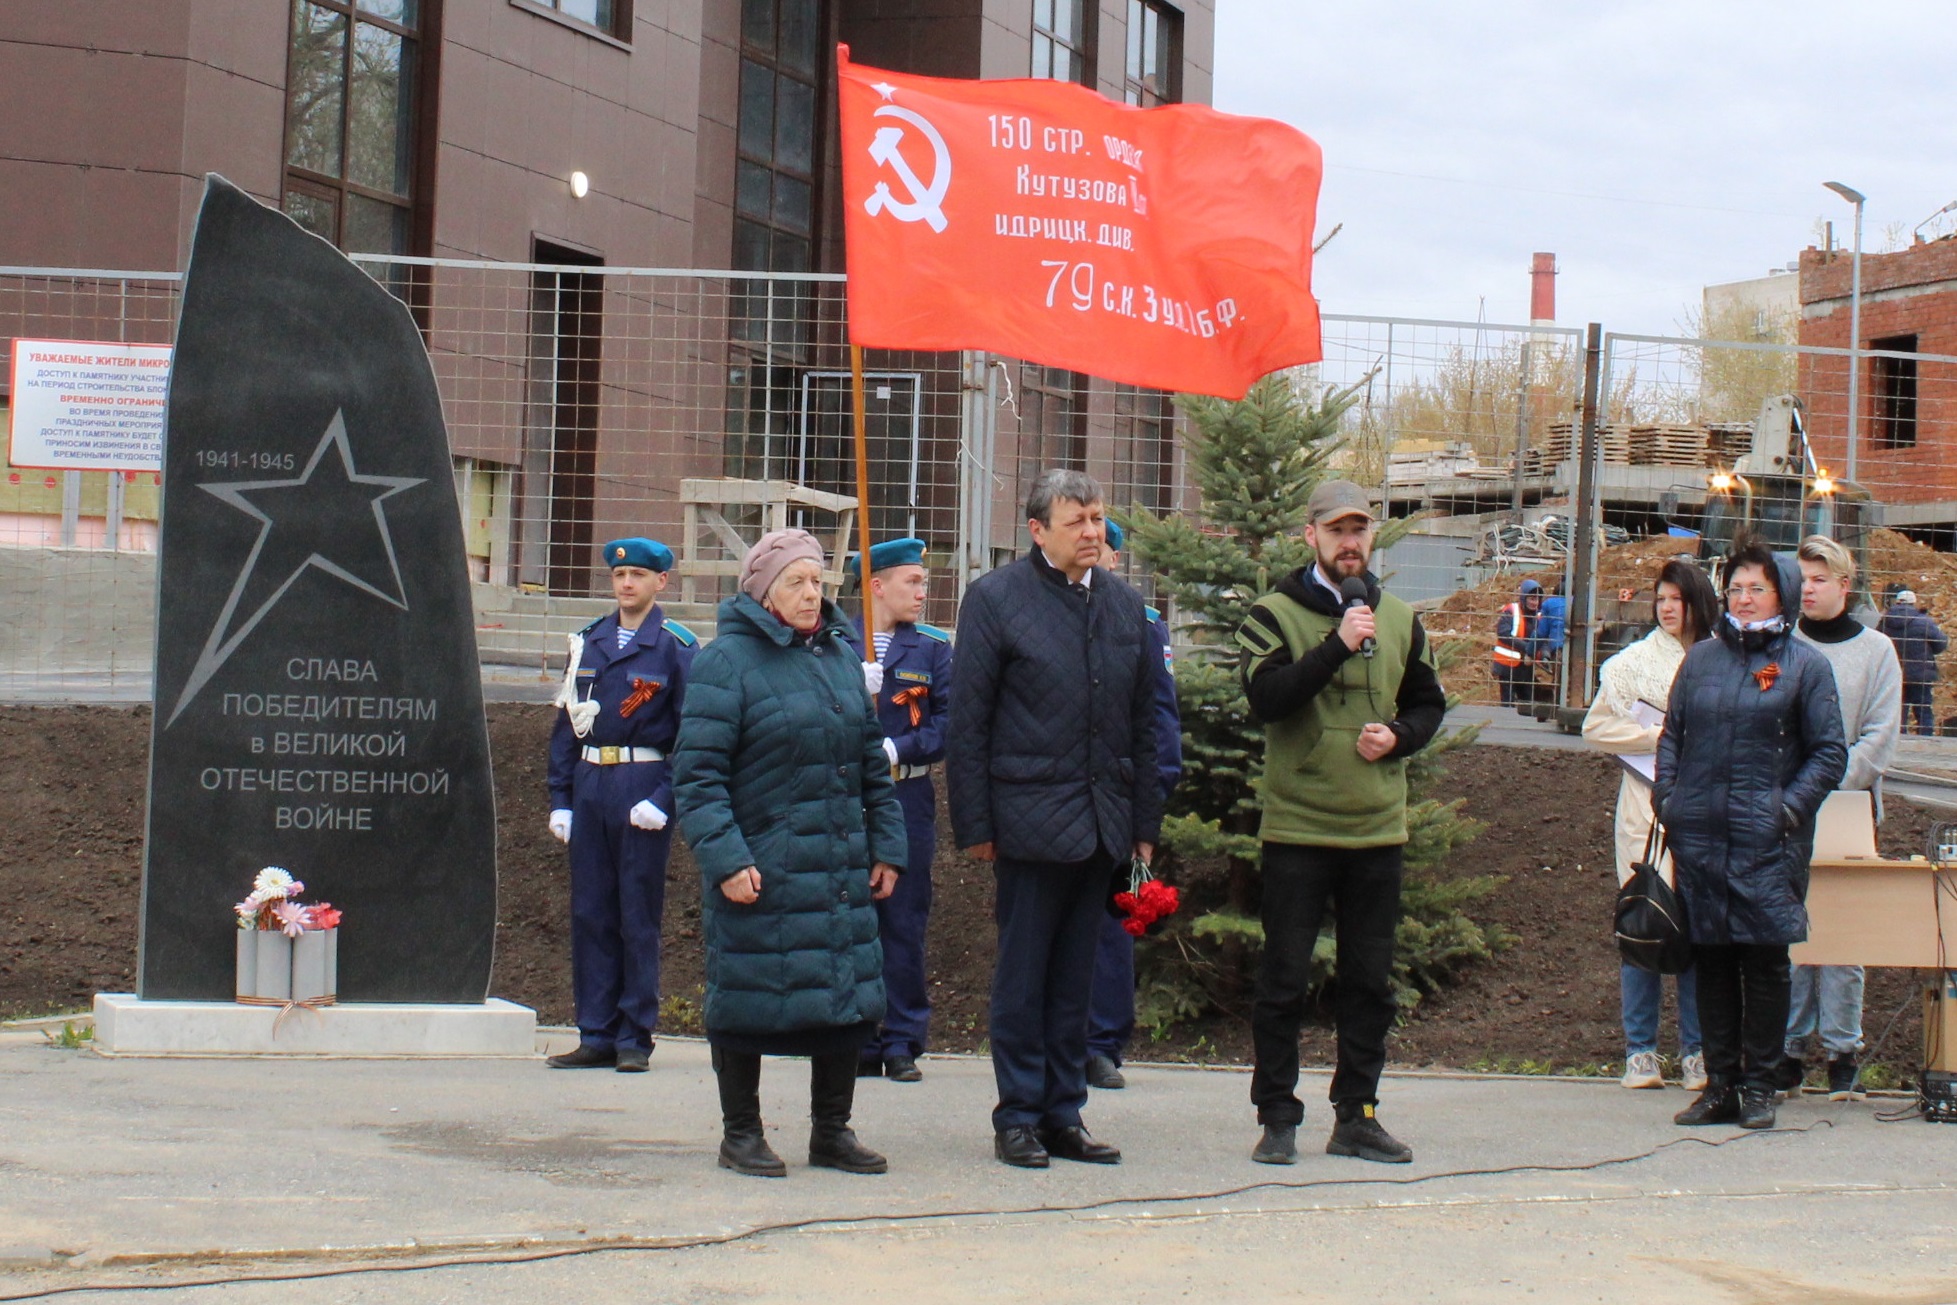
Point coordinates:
[[660, 655], [916, 674], [1168, 717]]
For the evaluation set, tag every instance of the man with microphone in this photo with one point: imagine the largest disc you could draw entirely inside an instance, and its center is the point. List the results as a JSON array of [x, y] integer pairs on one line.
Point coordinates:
[[1341, 677]]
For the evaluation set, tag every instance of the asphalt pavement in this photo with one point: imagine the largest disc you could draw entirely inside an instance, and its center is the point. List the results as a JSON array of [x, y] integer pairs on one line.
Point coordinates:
[[499, 1180]]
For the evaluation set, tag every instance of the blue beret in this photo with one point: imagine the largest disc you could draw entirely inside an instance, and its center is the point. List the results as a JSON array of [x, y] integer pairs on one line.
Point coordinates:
[[891, 552], [1114, 534], [638, 551]]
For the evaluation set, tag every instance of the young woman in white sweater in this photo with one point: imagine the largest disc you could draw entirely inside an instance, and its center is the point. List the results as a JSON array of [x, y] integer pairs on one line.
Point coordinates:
[[1686, 608]]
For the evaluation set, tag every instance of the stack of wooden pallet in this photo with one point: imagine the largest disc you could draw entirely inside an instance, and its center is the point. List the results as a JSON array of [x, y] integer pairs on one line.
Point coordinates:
[[1561, 444], [1727, 442], [1667, 444]]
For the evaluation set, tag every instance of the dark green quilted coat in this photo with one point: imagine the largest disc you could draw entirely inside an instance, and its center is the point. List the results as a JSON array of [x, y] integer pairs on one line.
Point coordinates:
[[780, 765]]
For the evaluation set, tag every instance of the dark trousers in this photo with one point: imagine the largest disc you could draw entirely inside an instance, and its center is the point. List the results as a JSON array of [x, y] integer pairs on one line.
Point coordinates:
[[1517, 683], [1111, 1001], [618, 895], [1917, 717], [902, 919], [1049, 915], [1361, 887], [1743, 993]]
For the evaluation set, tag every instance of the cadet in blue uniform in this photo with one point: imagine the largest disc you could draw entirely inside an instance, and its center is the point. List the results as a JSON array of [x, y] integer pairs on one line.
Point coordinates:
[[611, 797], [913, 701], [1111, 1005]]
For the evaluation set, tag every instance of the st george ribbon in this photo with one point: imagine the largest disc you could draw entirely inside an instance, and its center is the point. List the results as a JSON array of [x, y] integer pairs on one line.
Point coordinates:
[[318, 697]]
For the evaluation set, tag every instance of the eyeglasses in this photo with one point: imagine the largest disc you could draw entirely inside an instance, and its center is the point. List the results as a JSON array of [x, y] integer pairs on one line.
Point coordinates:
[[1747, 591]]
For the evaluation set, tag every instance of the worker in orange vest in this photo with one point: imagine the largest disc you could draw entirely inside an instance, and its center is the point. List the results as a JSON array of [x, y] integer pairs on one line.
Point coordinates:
[[1517, 646]]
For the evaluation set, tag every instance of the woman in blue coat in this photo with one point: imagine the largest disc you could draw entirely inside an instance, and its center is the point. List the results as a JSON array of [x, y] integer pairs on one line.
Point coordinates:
[[784, 794], [1752, 746]]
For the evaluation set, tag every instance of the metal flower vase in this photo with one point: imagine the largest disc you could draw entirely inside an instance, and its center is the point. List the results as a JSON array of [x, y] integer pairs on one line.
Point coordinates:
[[275, 968]]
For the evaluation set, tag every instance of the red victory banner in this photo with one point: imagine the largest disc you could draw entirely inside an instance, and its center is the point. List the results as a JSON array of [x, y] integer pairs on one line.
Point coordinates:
[[1167, 247]]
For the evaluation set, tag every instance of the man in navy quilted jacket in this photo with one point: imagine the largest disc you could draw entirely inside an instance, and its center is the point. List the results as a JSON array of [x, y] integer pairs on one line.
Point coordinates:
[[1051, 769]]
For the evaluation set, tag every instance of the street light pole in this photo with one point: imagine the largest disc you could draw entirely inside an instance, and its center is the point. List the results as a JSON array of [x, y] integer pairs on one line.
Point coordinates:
[[1858, 199]]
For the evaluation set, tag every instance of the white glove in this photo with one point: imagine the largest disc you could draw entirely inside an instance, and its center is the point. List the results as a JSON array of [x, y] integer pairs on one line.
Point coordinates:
[[647, 816], [560, 824], [873, 677], [890, 750]]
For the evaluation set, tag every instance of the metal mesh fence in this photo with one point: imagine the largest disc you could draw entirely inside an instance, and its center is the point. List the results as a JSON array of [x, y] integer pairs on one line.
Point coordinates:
[[585, 403], [1709, 441], [701, 408]]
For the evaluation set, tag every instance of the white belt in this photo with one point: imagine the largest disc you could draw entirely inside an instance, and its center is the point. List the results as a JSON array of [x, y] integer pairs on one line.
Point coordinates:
[[911, 772], [619, 756]]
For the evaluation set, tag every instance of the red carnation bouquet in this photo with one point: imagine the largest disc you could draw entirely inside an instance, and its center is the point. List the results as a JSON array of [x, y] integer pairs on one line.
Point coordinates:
[[1147, 902]]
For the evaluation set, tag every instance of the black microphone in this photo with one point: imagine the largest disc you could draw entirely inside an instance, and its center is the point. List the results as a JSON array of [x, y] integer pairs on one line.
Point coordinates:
[[1353, 590]]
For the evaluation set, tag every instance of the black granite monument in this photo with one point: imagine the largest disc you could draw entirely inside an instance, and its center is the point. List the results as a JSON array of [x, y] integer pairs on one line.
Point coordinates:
[[318, 699]]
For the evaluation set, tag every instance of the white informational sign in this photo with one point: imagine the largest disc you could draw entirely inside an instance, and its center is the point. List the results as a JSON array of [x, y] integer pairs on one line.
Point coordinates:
[[83, 406]]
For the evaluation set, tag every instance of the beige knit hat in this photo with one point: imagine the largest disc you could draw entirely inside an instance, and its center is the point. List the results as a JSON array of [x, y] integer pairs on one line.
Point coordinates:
[[771, 555]]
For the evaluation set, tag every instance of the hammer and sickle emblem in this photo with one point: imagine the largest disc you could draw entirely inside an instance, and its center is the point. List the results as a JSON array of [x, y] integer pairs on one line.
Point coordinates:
[[924, 204]]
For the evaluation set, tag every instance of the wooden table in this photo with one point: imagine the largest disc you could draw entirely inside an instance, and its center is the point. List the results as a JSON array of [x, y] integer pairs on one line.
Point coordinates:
[[1893, 913]]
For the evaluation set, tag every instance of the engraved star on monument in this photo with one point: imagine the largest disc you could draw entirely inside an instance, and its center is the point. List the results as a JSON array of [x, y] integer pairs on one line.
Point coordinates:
[[300, 521]]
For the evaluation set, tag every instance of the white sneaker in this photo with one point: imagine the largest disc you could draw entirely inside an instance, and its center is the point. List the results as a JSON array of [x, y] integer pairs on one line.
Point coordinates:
[[1641, 1071], [1693, 1070]]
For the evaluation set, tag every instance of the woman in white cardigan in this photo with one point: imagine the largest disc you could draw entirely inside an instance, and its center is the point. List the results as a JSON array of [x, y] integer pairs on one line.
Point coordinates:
[[1686, 609]]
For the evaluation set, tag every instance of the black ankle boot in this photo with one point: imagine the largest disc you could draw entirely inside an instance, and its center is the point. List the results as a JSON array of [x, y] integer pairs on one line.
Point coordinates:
[[1757, 1106], [743, 1146], [832, 1094]]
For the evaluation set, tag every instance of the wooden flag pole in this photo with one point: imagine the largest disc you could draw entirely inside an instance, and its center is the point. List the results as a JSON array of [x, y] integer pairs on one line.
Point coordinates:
[[862, 501]]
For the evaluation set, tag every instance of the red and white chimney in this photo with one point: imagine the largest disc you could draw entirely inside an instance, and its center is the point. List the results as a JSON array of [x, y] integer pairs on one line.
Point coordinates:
[[1542, 290]]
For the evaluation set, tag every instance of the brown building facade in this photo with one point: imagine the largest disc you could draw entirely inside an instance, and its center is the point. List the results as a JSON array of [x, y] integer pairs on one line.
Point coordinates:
[[575, 138], [1907, 405]]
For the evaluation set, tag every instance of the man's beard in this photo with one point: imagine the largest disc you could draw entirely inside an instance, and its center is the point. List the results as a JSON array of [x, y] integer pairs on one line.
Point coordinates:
[[1339, 566]]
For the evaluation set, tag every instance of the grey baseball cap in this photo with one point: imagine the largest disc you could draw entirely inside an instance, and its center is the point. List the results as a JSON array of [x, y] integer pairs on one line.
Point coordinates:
[[1334, 499]]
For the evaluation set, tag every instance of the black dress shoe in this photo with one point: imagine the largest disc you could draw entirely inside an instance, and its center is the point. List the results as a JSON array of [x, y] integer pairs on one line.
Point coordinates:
[[902, 1069], [1020, 1147], [634, 1060], [1073, 1143], [1103, 1073], [584, 1057]]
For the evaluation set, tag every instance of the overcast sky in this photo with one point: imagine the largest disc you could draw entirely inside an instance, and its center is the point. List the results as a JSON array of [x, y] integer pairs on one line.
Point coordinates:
[[1655, 146]]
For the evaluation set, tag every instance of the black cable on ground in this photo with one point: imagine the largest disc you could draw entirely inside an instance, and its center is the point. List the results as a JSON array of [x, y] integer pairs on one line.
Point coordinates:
[[803, 1225]]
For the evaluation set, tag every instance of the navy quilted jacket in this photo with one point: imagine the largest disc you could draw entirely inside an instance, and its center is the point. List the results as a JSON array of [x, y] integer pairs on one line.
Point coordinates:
[[1051, 751], [780, 766], [1742, 770]]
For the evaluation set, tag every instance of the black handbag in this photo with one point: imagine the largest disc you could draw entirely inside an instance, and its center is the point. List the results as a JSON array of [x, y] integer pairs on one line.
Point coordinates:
[[1650, 919]]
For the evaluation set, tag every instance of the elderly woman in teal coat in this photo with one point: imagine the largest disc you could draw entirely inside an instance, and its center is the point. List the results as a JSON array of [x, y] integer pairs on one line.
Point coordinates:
[[785, 796]]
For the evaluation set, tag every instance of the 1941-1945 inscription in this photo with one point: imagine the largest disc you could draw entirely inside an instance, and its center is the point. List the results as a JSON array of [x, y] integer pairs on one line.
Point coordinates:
[[318, 700]]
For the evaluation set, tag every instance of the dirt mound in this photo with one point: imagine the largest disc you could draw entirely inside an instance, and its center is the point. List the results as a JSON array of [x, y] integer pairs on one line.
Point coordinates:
[[1462, 625]]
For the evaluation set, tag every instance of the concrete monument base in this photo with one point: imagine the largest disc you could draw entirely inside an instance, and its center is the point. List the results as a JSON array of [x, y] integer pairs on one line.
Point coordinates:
[[127, 1026]]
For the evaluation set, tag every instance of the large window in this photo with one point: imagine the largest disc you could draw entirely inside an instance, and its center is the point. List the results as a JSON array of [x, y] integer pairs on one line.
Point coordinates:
[[1154, 54], [1144, 448], [1052, 421], [1061, 45], [350, 122], [612, 17], [1892, 393], [774, 184]]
